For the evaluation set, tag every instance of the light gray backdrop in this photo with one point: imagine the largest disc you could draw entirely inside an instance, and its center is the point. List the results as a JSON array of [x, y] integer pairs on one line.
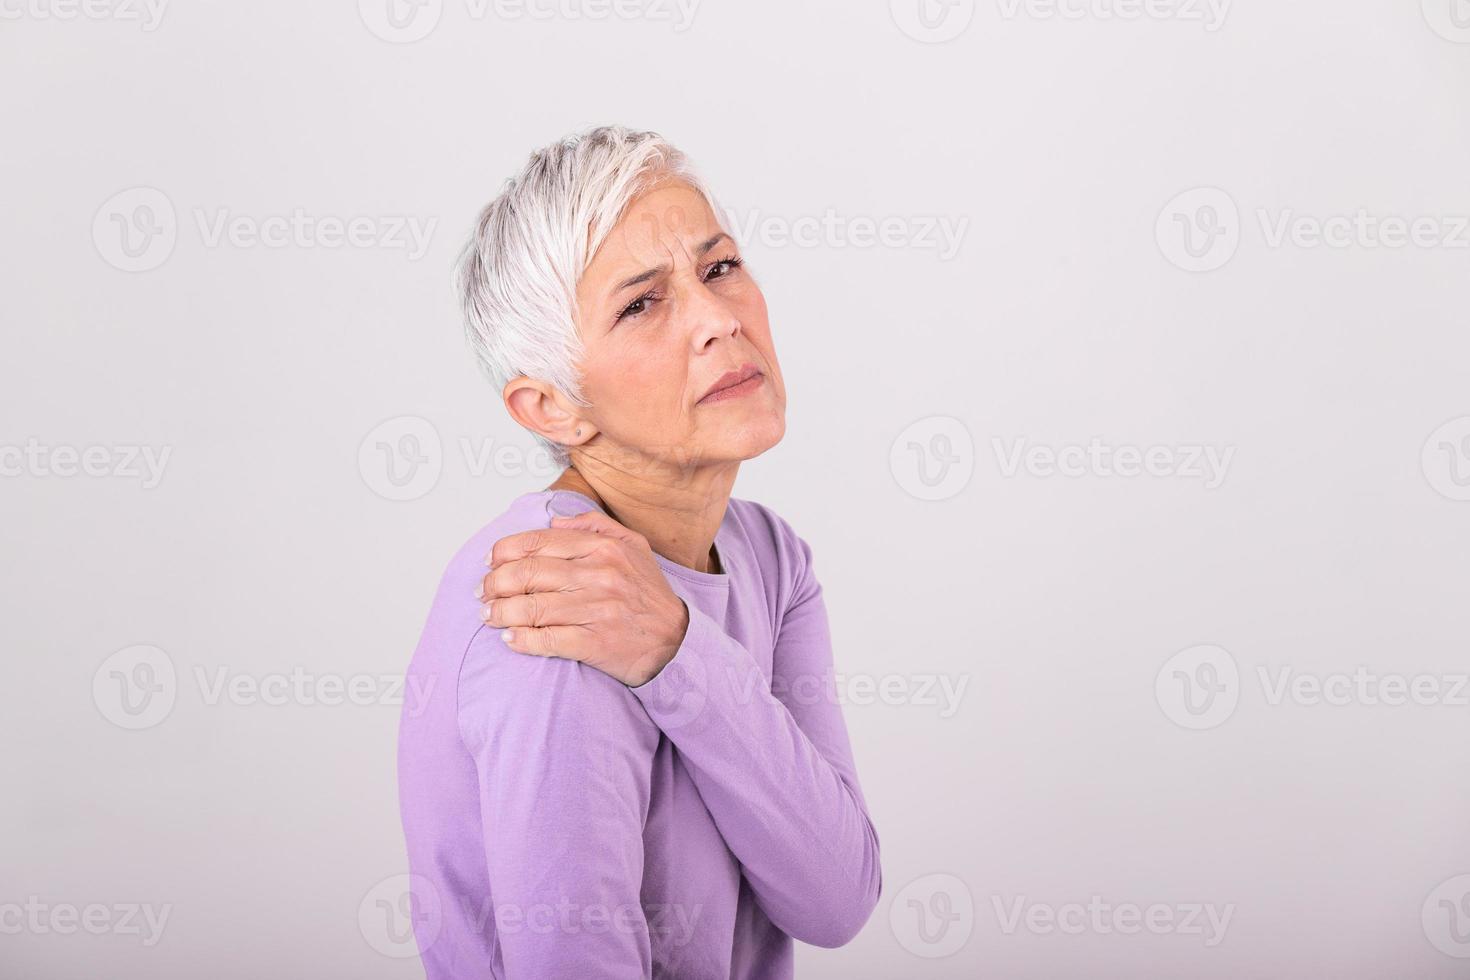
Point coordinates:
[[1129, 421]]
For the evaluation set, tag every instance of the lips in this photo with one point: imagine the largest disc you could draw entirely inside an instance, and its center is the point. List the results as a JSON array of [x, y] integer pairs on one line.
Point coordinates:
[[732, 378]]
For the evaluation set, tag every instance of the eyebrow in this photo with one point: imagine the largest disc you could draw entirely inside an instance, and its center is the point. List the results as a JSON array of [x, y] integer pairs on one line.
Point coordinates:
[[648, 274]]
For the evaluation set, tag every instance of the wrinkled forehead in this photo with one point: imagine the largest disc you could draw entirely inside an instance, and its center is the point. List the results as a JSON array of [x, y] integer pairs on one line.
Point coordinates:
[[663, 224]]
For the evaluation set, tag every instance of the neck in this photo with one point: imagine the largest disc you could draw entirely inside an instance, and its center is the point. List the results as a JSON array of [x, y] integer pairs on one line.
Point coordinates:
[[678, 509]]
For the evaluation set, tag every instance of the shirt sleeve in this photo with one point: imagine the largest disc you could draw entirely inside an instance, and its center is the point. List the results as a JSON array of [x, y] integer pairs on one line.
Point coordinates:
[[774, 765], [563, 754]]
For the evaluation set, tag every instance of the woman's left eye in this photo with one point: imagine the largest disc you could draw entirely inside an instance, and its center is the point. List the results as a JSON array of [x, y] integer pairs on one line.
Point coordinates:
[[723, 268]]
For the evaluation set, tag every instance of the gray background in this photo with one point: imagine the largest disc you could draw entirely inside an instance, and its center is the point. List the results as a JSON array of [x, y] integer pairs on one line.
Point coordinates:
[[1078, 761]]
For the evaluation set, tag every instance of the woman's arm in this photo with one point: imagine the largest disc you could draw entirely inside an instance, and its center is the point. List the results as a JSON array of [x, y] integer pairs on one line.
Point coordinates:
[[563, 754], [776, 770]]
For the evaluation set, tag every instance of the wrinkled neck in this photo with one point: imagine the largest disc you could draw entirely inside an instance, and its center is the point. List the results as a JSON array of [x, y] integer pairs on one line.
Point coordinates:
[[678, 514]]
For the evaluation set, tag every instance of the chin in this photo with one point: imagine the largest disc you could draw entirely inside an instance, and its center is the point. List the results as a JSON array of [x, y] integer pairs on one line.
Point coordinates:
[[756, 437]]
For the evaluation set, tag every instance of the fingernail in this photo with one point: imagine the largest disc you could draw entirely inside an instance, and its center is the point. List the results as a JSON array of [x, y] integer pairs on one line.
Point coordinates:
[[480, 590], [507, 636], [485, 611]]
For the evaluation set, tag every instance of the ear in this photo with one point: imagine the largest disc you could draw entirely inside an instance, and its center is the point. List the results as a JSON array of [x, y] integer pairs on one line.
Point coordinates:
[[539, 407]]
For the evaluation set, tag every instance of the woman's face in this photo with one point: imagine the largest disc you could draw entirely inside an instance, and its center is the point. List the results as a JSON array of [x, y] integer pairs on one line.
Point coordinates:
[[666, 312]]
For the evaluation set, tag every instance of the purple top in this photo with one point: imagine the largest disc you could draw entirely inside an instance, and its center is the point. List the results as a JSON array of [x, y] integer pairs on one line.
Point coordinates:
[[563, 825]]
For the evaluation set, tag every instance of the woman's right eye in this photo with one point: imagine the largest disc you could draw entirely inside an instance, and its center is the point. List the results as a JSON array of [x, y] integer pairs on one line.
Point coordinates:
[[637, 307]]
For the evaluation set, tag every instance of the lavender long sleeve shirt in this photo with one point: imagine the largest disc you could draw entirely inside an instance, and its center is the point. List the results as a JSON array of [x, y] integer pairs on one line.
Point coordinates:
[[562, 825]]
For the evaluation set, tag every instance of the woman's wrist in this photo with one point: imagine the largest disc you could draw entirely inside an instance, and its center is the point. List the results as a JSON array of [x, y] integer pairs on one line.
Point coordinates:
[[666, 649]]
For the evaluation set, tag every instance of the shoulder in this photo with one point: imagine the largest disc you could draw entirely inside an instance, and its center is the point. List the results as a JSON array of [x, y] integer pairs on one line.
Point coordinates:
[[764, 527], [783, 557], [467, 566], [495, 687], [454, 619]]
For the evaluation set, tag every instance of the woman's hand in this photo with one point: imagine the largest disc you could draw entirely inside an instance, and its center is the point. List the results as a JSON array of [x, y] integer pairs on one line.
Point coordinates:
[[587, 588]]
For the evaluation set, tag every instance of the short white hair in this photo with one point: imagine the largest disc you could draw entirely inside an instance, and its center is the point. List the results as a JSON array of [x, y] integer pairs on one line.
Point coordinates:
[[517, 276]]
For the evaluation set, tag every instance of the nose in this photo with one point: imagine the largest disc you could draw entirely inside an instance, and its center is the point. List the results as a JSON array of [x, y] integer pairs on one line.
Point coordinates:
[[711, 317]]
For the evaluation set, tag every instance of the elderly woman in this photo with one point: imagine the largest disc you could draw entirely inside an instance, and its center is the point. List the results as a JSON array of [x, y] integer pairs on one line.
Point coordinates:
[[633, 762]]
